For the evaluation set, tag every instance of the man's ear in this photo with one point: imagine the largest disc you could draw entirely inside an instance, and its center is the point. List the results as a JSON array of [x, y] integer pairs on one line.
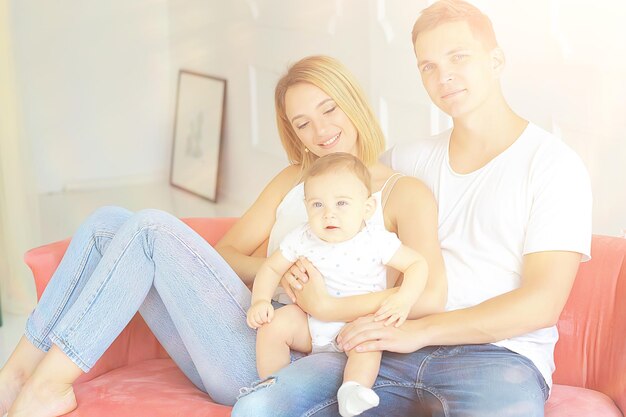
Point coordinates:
[[370, 207], [498, 60]]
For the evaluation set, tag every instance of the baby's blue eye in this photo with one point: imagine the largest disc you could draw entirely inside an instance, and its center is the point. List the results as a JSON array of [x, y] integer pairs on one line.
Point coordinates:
[[317, 204], [342, 203]]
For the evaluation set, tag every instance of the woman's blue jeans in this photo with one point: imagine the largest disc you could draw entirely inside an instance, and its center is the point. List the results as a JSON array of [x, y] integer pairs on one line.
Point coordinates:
[[119, 263]]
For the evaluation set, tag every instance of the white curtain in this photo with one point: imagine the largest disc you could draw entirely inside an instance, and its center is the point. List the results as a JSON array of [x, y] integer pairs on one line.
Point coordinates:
[[19, 213]]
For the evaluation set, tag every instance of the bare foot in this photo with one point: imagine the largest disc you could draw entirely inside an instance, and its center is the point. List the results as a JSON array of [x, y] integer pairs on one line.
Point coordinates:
[[10, 385], [43, 399]]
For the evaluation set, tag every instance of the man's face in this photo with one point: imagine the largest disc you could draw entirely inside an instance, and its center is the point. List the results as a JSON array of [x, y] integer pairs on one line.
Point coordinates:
[[337, 204], [457, 70]]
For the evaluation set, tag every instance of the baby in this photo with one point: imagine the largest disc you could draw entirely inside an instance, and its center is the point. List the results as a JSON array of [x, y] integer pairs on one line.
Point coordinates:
[[351, 256]]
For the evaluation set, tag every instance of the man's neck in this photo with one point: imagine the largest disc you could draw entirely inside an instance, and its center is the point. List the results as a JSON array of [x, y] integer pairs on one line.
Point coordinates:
[[479, 137]]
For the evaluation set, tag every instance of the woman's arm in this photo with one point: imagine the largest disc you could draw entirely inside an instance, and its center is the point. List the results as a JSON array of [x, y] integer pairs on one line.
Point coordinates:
[[411, 212], [253, 228]]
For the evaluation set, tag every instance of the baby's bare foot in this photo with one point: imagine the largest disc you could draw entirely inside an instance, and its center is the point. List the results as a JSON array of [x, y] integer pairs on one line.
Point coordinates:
[[43, 399], [10, 385]]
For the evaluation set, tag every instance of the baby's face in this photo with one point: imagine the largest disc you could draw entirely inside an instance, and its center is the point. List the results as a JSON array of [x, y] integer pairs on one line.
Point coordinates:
[[337, 204]]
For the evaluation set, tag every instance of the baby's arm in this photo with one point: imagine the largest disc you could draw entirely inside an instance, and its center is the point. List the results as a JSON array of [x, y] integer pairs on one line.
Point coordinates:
[[265, 283], [415, 268]]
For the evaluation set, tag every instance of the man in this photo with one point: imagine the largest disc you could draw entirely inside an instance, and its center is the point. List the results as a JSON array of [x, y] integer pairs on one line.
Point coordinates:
[[514, 223]]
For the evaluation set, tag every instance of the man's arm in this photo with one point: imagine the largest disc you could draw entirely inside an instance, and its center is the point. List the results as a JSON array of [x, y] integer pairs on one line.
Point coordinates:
[[411, 212], [547, 278]]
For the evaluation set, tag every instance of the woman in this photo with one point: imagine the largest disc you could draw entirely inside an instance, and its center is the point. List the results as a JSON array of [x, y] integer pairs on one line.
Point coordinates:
[[195, 297]]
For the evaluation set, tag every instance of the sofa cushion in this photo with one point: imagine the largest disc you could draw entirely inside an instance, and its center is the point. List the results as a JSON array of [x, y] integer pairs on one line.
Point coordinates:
[[156, 385], [567, 401]]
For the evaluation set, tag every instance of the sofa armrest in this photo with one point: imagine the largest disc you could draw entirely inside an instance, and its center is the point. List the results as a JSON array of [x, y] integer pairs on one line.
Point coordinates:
[[591, 351], [136, 343]]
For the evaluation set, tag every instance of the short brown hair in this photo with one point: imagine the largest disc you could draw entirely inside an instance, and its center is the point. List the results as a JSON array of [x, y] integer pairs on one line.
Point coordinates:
[[446, 11], [340, 161], [334, 79]]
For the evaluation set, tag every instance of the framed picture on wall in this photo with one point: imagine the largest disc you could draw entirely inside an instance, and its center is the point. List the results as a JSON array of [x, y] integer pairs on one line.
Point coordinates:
[[198, 128]]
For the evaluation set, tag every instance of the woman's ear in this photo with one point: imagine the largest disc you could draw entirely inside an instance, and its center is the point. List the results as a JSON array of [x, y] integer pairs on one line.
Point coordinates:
[[370, 207]]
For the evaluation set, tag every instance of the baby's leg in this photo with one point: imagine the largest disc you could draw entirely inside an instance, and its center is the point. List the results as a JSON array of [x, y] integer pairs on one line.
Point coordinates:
[[356, 395], [289, 329]]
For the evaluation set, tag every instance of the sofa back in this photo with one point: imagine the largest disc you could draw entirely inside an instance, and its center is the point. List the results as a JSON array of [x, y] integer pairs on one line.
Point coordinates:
[[591, 351]]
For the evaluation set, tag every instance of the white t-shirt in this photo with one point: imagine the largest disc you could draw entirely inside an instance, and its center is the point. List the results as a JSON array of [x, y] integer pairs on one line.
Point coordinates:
[[352, 267], [355, 266], [533, 197], [291, 213]]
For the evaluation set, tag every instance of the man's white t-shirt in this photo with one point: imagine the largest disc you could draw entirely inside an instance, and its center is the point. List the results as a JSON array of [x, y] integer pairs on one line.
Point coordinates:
[[533, 197]]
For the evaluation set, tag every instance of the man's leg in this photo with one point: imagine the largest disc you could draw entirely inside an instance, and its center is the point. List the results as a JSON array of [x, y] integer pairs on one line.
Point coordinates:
[[452, 381], [468, 381]]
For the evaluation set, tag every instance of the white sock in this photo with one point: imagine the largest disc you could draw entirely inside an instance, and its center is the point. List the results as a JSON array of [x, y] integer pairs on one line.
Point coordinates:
[[354, 398]]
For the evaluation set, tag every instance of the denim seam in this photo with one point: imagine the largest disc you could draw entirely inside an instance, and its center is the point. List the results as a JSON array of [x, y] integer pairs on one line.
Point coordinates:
[[321, 406], [73, 283], [208, 267], [81, 267], [90, 302], [522, 360], [70, 352], [419, 386], [39, 344]]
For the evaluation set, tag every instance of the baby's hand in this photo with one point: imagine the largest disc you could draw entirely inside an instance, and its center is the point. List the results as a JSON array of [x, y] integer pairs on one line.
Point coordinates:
[[260, 313], [395, 309]]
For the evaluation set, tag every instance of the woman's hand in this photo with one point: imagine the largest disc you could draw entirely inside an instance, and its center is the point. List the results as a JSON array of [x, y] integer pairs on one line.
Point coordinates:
[[313, 298], [366, 335], [294, 278]]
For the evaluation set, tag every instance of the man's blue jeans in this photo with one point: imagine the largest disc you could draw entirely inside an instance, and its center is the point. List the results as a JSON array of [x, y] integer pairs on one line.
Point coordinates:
[[451, 381]]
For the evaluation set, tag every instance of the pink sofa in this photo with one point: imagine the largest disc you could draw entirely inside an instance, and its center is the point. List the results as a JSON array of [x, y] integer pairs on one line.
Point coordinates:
[[136, 378]]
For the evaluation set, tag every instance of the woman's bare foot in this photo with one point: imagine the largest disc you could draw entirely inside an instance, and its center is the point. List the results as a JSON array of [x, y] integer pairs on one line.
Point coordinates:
[[43, 399], [11, 384]]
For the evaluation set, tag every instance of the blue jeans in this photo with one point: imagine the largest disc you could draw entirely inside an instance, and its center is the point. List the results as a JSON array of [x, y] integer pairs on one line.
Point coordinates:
[[451, 381], [119, 263]]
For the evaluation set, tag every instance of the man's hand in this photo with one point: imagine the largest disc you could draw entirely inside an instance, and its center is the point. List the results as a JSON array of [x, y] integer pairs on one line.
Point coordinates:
[[395, 309], [260, 313], [366, 335]]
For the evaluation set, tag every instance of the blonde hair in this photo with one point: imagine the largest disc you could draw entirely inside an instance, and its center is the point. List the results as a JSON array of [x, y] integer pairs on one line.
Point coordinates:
[[329, 75], [336, 162], [446, 11]]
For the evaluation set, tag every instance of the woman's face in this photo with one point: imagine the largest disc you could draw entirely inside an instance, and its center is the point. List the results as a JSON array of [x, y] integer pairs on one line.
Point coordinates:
[[319, 123]]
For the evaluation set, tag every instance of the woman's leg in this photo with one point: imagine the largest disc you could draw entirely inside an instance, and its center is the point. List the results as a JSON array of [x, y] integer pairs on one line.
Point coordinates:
[[203, 296], [83, 254]]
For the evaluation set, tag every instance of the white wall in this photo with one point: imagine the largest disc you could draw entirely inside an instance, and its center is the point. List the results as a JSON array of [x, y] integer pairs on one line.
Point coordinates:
[[97, 80], [92, 79], [250, 43], [566, 62]]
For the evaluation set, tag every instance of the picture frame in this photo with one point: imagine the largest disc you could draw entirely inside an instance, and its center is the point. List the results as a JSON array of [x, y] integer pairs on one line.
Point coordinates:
[[198, 133]]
